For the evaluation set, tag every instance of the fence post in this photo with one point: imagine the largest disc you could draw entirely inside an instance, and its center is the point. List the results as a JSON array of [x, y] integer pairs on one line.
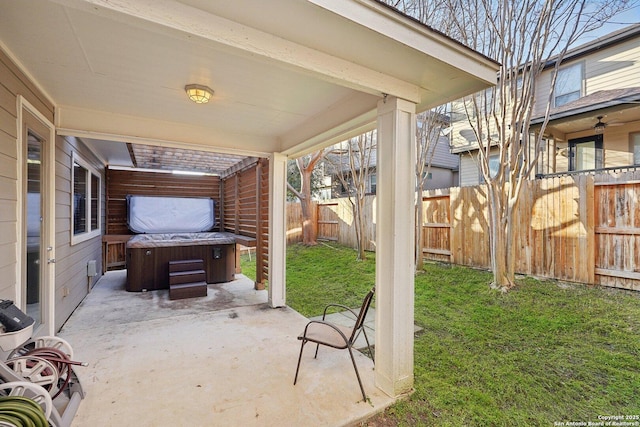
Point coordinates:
[[589, 205]]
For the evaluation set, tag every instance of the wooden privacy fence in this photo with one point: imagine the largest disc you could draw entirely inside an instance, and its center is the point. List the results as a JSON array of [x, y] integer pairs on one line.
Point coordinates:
[[334, 222], [580, 228]]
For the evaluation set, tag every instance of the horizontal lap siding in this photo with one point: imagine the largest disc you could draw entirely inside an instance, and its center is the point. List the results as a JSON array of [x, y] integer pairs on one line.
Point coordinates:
[[71, 260], [613, 68], [12, 83], [18, 84]]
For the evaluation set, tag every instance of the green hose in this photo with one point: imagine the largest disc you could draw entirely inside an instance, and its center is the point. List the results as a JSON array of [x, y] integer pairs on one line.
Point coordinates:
[[21, 411]]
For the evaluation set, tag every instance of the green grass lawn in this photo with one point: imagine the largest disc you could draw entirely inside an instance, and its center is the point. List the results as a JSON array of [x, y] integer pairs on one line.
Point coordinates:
[[537, 355]]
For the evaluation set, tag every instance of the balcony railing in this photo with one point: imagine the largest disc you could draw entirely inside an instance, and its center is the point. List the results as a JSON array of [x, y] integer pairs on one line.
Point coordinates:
[[613, 169]]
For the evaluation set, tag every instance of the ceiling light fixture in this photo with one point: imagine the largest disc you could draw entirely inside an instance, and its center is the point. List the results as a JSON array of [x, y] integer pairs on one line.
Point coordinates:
[[599, 127], [198, 93]]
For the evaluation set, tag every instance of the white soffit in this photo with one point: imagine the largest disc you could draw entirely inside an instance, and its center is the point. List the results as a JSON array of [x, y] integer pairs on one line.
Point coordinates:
[[286, 73]]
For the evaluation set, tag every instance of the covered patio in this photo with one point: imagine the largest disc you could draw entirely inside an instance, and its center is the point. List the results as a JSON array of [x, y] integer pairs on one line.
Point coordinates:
[[227, 359], [288, 78]]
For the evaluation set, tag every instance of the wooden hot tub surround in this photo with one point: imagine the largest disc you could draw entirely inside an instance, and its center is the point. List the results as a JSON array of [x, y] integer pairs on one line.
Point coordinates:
[[148, 257]]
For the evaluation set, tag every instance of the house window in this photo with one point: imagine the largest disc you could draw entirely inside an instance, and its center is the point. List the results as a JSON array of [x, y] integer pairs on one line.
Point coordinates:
[[635, 147], [85, 201], [373, 183], [494, 165], [585, 153], [568, 84]]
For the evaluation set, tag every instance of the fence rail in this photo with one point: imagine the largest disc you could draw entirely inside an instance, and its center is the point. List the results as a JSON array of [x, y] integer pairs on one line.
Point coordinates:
[[580, 228]]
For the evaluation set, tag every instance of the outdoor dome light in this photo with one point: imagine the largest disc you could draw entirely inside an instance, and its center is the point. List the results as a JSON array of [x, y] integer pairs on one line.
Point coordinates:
[[198, 93]]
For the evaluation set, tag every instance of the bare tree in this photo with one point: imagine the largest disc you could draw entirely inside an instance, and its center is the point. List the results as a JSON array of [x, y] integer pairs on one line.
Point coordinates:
[[429, 123], [353, 162], [305, 166], [523, 36], [428, 133]]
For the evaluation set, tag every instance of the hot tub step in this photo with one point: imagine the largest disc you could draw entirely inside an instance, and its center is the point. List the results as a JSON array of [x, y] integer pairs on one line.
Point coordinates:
[[178, 277], [188, 290], [186, 265]]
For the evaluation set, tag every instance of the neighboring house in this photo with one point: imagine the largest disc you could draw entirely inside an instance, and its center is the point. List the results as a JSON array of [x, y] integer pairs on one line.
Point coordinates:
[[443, 172], [337, 163], [594, 120]]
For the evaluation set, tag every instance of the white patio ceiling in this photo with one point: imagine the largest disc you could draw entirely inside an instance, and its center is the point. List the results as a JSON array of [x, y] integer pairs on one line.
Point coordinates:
[[287, 74]]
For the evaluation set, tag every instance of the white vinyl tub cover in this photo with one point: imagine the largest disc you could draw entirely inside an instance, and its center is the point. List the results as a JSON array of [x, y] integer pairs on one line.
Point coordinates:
[[153, 214]]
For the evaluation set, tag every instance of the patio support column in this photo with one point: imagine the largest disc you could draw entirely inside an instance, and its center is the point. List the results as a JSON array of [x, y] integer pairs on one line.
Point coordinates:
[[395, 220], [277, 229]]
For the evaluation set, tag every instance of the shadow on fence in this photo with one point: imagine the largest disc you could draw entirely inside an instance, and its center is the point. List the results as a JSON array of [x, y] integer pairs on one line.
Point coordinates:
[[580, 228]]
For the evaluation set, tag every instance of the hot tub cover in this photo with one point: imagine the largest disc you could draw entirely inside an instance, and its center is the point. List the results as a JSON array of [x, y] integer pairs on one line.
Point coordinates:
[[180, 239], [152, 214]]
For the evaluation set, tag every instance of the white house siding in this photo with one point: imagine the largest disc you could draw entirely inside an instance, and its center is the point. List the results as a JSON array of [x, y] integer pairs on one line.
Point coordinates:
[[440, 178], [444, 166], [614, 67], [71, 260], [611, 67], [442, 156], [469, 171], [616, 143], [12, 83]]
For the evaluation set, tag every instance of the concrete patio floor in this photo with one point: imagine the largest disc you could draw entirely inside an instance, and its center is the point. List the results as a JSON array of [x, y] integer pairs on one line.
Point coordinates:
[[222, 360]]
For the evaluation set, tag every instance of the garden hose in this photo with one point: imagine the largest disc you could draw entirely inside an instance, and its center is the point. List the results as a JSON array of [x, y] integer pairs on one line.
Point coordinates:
[[20, 411], [35, 370], [59, 360]]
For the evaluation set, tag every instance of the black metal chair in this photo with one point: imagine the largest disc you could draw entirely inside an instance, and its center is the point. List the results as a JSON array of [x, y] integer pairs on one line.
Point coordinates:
[[340, 337]]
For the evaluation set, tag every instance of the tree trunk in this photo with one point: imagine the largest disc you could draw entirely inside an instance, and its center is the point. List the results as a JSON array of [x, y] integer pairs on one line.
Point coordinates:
[[359, 220], [309, 235], [419, 239], [501, 238]]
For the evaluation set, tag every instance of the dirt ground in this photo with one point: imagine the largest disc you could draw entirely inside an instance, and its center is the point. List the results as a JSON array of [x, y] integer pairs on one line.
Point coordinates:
[[380, 420]]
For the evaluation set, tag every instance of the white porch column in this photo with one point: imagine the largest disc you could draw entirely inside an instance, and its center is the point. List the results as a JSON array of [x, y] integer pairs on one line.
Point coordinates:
[[394, 246], [277, 229]]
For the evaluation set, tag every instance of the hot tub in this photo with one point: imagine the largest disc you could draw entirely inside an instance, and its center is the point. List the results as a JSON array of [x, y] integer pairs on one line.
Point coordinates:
[[148, 257]]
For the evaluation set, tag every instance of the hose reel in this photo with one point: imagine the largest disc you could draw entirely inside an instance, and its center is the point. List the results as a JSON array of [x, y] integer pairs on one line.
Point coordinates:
[[46, 361]]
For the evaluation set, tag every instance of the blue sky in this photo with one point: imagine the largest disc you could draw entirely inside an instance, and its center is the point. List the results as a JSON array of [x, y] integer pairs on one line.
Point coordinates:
[[623, 19]]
